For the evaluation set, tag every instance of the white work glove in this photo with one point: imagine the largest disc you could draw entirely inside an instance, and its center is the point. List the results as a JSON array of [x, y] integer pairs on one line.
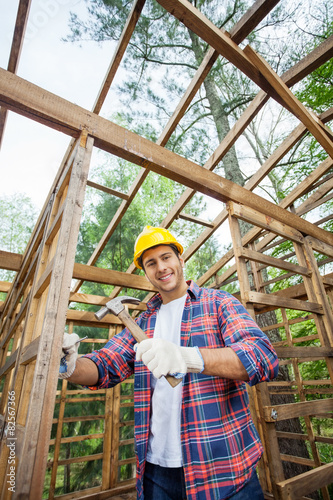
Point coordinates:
[[68, 359], [163, 357]]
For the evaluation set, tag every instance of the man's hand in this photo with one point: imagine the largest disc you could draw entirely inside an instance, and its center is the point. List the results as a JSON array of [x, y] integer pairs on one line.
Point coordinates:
[[163, 357], [68, 359]]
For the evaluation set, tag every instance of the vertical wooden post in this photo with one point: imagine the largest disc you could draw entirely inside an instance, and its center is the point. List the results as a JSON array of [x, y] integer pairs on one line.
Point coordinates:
[[259, 394], [37, 365]]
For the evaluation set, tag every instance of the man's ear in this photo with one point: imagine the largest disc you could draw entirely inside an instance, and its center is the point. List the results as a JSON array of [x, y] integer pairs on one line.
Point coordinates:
[[181, 260]]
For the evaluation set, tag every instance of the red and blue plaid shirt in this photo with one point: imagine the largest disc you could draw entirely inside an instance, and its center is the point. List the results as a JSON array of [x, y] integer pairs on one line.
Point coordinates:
[[220, 443]]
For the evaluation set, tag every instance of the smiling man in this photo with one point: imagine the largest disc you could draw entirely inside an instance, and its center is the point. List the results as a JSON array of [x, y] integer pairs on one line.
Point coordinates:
[[196, 441]]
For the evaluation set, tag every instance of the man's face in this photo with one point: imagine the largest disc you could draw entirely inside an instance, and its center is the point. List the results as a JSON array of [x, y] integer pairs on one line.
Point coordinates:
[[164, 270]]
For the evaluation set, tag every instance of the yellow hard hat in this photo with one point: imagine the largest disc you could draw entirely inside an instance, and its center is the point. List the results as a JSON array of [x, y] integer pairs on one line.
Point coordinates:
[[152, 237]]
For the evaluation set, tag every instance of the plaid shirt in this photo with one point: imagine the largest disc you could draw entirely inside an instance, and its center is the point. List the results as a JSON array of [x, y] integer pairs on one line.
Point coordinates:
[[220, 444]]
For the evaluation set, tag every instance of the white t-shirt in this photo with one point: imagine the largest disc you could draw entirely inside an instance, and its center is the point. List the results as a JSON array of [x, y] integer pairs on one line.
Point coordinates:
[[164, 447]]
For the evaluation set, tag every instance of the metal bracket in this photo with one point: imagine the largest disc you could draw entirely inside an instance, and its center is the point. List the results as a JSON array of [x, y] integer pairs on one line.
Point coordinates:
[[274, 414]]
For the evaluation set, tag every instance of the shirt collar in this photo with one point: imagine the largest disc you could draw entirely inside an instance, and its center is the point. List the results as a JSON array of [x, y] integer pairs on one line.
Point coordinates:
[[156, 301]]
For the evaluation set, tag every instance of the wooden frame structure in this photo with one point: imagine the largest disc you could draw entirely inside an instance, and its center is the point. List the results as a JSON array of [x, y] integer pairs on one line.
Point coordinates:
[[35, 312]]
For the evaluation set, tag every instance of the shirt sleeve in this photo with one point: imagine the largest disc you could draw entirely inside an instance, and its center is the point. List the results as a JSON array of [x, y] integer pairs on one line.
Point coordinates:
[[252, 346], [115, 361]]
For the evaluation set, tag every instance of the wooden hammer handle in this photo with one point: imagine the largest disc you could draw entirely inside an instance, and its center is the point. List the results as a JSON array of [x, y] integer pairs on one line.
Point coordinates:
[[139, 336]]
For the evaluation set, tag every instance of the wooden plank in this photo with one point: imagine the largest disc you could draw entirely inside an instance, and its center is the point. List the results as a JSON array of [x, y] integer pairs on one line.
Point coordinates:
[[29, 353], [251, 235], [87, 317], [5, 286], [298, 460], [195, 220], [107, 190], [238, 33], [97, 300], [317, 198], [271, 261], [321, 247], [265, 222], [291, 102], [44, 280], [294, 410], [110, 277], [20, 27], [193, 19], [311, 62], [15, 52], [274, 300], [42, 106], [57, 440], [119, 53], [19, 317], [313, 352], [10, 261], [55, 225], [9, 364], [309, 205], [40, 413], [124, 488], [256, 13], [307, 482]]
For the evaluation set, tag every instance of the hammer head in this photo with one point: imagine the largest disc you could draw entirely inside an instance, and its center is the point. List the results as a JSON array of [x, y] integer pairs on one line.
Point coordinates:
[[115, 306]]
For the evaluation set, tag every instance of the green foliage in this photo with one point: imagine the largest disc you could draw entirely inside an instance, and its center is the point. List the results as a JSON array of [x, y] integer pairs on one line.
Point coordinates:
[[18, 217], [150, 206]]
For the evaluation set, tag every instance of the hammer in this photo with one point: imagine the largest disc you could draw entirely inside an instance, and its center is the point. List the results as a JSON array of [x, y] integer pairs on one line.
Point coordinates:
[[116, 307]]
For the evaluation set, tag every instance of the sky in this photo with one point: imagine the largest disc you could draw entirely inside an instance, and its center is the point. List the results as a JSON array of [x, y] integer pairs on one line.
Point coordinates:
[[31, 153]]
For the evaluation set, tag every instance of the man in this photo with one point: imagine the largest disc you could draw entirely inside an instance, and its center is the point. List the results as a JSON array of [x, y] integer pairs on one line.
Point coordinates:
[[197, 440]]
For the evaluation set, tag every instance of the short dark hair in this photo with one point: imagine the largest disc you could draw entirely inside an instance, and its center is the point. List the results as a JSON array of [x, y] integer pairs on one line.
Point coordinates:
[[174, 248]]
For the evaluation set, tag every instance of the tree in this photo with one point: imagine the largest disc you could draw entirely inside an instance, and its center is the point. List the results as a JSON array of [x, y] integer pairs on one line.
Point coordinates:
[[162, 58], [18, 218]]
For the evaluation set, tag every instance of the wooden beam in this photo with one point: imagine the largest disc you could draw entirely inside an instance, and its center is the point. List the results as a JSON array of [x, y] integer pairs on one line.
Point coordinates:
[[274, 300], [264, 221], [97, 300], [5, 286], [277, 413], [291, 102], [53, 318], [304, 352], [220, 40], [267, 260], [15, 53], [10, 261], [238, 33], [119, 53], [87, 318], [44, 107], [195, 220], [311, 62], [107, 190], [254, 15], [307, 482], [110, 277]]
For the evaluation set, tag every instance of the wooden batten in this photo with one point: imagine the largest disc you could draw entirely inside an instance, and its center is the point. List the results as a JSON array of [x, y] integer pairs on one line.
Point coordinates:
[[39, 304]]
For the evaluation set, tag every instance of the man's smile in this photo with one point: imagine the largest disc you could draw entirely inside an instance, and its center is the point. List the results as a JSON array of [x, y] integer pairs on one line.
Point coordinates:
[[166, 277]]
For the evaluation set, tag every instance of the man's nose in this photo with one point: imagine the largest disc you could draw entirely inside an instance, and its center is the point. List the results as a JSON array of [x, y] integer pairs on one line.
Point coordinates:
[[161, 265]]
